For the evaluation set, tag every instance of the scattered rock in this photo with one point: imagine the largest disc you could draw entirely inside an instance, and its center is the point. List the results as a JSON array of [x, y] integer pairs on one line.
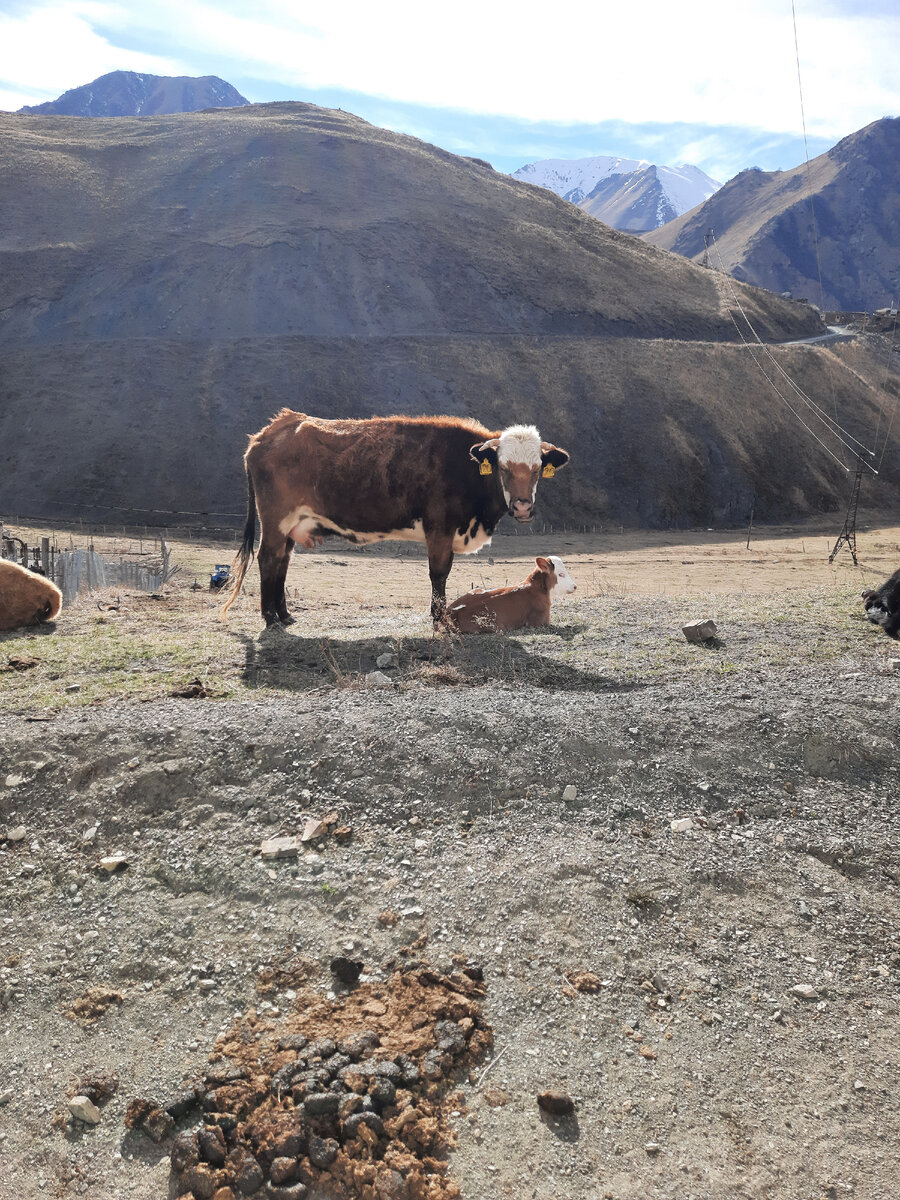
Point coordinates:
[[317, 828], [804, 991], [682, 825], [570, 791], [386, 661], [378, 679], [283, 847], [91, 1006], [558, 1104], [84, 1109], [699, 631], [150, 1118], [114, 862], [17, 834], [584, 981]]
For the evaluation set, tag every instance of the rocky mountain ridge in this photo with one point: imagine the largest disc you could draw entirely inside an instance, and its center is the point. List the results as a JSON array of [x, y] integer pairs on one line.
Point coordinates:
[[828, 231], [132, 94], [167, 285]]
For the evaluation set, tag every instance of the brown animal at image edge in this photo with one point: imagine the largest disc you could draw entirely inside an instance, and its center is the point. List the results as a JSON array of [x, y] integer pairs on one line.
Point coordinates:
[[26, 598], [444, 481]]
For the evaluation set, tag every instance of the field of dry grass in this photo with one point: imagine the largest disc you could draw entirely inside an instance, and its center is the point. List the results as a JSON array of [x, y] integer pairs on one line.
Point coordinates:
[[351, 606]]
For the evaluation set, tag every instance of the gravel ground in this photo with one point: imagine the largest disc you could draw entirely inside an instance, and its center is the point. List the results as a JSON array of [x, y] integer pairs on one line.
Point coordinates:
[[718, 996]]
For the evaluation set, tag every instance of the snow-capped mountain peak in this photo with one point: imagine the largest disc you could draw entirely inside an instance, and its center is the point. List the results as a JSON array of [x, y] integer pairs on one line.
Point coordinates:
[[629, 193]]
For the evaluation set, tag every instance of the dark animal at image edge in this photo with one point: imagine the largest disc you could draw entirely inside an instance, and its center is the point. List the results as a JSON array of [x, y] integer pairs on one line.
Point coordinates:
[[444, 481], [883, 605]]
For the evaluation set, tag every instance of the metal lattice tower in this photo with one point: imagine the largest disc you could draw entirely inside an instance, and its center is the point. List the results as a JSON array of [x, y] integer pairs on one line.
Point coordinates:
[[848, 533]]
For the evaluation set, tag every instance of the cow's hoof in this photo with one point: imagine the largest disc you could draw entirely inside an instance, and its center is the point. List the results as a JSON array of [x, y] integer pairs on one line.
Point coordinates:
[[287, 619]]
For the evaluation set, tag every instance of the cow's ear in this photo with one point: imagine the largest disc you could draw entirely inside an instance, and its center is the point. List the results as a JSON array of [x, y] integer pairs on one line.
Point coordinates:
[[545, 565], [552, 458], [485, 454]]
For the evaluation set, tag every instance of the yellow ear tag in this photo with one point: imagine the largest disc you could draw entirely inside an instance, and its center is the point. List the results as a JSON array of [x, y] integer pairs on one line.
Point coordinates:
[[549, 471], [485, 468]]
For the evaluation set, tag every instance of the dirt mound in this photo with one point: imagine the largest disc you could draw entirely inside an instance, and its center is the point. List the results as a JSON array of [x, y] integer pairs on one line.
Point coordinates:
[[347, 1096]]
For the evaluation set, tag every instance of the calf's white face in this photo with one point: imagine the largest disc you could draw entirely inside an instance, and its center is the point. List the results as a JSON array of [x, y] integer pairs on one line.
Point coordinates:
[[564, 581]]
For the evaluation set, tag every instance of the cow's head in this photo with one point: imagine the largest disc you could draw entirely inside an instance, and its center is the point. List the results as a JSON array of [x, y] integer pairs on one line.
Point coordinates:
[[518, 457]]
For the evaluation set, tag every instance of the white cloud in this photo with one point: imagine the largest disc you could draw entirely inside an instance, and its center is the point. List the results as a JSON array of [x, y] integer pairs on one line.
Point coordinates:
[[704, 63], [53, 47]]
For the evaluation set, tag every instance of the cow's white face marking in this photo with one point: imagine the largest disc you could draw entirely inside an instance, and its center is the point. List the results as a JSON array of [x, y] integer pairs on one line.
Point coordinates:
[[519, 461], [564, 581], [299, 525], [519, 444]]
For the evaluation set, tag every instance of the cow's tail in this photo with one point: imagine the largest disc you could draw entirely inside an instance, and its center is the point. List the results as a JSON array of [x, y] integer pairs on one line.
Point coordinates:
[[244, 556]]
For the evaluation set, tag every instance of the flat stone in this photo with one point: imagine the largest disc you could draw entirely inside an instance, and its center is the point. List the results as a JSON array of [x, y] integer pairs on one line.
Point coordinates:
[[284, 847], [114, 862], [378, 679], [84, 1109], [17, 834], [386, 661], [681, 825], [804, 991], [699, 631], [570, 791]]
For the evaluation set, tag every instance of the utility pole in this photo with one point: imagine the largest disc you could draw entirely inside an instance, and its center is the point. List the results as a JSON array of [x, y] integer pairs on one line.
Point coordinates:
[[707, 238], [848, 533]]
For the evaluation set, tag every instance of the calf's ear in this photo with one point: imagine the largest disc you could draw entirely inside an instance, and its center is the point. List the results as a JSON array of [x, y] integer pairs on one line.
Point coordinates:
[[552, 458], [485, 454], [545, 565]]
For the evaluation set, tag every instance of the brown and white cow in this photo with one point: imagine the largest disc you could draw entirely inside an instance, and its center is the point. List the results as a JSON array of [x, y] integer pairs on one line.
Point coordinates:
[[444, 481], [516, 607]]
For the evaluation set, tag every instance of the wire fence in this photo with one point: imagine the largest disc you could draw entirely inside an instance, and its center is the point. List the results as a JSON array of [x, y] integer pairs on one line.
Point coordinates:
[[83, 569]]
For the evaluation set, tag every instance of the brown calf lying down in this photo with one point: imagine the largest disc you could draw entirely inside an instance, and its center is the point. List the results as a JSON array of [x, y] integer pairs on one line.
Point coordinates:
[[527, 603], [26, 598]]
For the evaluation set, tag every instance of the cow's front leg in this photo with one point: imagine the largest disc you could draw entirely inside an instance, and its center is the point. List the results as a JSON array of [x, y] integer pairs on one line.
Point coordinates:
[[440, 560]]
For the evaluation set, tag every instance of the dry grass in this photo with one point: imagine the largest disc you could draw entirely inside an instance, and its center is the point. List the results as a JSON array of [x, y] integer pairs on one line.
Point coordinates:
[[776, 604]]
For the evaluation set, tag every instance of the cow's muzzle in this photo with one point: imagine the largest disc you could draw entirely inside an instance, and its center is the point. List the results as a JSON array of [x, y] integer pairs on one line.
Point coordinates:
[[522, 510]]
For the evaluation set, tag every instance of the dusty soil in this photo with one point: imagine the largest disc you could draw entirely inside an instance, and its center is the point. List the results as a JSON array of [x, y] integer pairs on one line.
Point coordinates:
[[719, 998]]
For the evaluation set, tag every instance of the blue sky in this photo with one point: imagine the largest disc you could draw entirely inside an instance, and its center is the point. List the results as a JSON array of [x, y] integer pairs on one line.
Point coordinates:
[[699, 82]]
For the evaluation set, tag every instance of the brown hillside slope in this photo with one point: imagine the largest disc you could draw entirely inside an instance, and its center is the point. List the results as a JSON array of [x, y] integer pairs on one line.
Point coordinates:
[[764, 226], [167, 283]]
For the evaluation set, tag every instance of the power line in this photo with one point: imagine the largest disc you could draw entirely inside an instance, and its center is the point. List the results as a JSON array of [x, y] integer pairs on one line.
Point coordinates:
[[831, 425]]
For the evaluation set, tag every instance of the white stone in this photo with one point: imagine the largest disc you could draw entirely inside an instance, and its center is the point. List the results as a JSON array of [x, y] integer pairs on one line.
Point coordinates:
[[90, 835], [285, 847], [12, 781], [17, 834], [570, 791], [682, 825], [113, 862], [84, 1109], [386, 660]]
